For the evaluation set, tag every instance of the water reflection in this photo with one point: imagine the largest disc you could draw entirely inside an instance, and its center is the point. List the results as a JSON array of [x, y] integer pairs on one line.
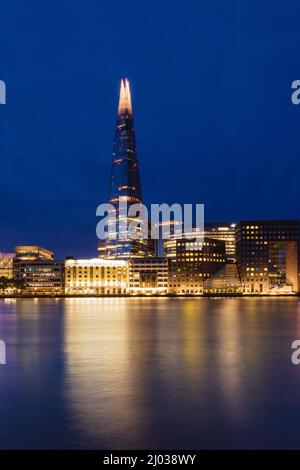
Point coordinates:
[[149, 373], [32, 382]]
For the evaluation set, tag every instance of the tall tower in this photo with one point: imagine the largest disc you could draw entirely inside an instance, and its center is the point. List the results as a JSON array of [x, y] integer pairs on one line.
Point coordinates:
[[125, 182], [125, 178]]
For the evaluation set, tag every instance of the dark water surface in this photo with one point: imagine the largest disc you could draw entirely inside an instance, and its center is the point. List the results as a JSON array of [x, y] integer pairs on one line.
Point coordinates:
[[149, 373]]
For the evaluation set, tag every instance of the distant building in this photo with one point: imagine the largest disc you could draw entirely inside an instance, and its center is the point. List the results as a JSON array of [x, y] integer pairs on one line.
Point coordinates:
[[148, 276], [125, 184], [96, 277], [175, 229], [268, 256], [192, 265], [223, 231], [39, 276], [6, 265], [33, 252]]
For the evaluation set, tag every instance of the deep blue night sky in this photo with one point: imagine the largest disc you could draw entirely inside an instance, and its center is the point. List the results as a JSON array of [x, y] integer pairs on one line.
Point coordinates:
[[211, 85]]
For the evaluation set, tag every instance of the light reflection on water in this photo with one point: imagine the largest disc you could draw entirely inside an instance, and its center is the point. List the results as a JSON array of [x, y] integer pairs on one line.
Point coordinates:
[[149, 373]]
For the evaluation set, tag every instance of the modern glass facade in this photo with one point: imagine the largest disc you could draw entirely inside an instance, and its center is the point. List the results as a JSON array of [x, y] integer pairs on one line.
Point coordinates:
[[40, 276], [224, 281], [125, 185], [125, 177], [37, 272]]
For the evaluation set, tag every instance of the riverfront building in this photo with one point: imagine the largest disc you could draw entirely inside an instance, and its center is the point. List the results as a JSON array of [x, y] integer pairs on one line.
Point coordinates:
[[148, 276], [268, 256], [96, 277], [6, 265], [33, 252], [36, 271], [193, 264], [40, 277], [224, 281], [267, 263]]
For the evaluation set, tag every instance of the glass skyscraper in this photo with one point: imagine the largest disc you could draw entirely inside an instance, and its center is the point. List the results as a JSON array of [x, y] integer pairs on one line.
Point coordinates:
[[125, 185], [125, 177]]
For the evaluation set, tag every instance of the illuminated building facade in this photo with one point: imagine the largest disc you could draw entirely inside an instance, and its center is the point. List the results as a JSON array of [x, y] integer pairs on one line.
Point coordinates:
[[224, 281], [192, 265], [33, 252], [96, 277], [36, 271], [223, 231], [268, 256], [40, 277], [6, 265], [148, 276], [125, 184], [170, 245]]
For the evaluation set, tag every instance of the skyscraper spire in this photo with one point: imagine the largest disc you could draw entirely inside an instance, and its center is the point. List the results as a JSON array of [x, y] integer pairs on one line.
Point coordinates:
[[125, 178], [125, 97], [125, 184]]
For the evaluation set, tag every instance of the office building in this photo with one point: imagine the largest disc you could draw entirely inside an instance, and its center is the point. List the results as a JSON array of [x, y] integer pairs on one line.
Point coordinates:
[[125, 187], [268, 256], [193, 263], [6, 265], [175, 233], [33, 252], [223, 231], [96, 277], [39, 276], [148, 276]]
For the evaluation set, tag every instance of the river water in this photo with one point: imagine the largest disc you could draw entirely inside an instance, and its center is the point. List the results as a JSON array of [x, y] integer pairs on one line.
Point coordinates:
[[149, 373]]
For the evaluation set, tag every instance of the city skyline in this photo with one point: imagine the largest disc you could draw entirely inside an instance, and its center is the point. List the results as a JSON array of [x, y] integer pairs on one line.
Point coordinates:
[[212, 109], [150, 232], [124, 118]]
